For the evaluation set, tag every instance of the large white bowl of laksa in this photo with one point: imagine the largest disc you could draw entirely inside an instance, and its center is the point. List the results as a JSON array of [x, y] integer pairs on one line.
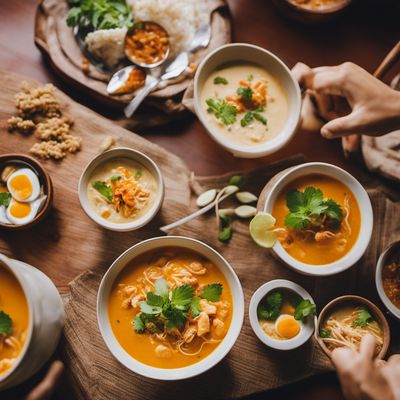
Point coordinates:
[[318, 217], [247, 99], [121, 189], [170, 308]]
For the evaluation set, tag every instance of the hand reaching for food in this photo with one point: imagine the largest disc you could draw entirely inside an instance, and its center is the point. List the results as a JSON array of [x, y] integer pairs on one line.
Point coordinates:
[[350, 99], [362, 377], [45, 389]]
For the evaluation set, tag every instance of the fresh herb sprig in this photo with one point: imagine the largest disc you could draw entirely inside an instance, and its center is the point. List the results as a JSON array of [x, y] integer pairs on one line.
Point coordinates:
[[306, 207], [363, 319], [222, 110], [5, 323], [104, 189], [253, 115], [5, 198], [246, 93]]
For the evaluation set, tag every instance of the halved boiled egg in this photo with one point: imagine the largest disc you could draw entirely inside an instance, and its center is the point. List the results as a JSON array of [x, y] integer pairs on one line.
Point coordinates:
[[287, 327], [23, 184], [21, 213]]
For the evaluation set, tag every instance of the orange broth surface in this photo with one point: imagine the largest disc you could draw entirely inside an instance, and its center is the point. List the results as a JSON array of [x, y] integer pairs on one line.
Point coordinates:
[[141, 346], [324, 252]]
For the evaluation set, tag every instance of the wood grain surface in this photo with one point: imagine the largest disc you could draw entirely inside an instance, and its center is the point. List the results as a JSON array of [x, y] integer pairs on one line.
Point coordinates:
[[363, 35]]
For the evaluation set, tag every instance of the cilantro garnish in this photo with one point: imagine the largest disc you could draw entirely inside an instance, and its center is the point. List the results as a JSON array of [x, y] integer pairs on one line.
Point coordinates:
[[304, 310], [219, 80], [251, 115], [363, 319], [212, 292], [308, 207], [222, 110], [115, 178], [195, 307], [324, 333], [245, 93], [104, 190], [270, 306], [5, 198], [5, 323]]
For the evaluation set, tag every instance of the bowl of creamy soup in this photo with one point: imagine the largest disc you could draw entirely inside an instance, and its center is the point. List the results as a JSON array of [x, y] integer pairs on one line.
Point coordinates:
[[170, 308], [29, 332], [121, 189], [323, 218], [247, 100]]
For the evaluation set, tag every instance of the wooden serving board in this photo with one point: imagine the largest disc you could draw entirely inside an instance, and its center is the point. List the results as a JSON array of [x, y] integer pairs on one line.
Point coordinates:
[[68, 243]]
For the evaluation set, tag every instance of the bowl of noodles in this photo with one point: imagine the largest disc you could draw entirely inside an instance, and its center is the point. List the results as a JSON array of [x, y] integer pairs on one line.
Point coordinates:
[[346, 320]]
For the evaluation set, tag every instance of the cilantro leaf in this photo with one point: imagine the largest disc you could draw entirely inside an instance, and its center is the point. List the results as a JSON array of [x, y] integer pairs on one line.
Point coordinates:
[[251, 115], [154, 300], [219, 80], [212, 292], [138, 324], [161, 288], [5, 323], [5, 198], [148, 309], [363, 319], [182, 297], [270, 305], [334, 210], [222, 110], [297, 220], [175, 317], [245, 93], [304, 309], [324, 333], [195, 306], [104, 190]]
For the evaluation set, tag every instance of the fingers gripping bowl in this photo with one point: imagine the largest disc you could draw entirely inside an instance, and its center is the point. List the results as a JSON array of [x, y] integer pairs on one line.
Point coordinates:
[[147, 302]]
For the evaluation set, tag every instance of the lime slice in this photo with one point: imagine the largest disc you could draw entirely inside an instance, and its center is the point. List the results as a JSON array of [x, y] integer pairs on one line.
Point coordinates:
[[261, 230]]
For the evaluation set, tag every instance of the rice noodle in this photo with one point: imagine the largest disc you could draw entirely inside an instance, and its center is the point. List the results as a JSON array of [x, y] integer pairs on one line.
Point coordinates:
[[346, 206]]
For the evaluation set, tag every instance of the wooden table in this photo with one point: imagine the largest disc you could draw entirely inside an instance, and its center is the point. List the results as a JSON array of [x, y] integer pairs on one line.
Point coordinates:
[[363, 35]]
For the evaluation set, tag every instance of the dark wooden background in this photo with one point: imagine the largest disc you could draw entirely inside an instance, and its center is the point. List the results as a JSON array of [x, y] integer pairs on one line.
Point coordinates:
[[364, 34]]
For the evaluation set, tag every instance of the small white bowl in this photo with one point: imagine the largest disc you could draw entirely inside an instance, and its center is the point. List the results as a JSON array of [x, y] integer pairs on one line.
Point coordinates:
[[133, 155], [364, 203], [307, 329], [243, 52], [176, 373], [384, 257]]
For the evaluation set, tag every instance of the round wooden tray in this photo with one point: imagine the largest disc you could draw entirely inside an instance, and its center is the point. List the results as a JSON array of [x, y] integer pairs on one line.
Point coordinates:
[[56, 42]]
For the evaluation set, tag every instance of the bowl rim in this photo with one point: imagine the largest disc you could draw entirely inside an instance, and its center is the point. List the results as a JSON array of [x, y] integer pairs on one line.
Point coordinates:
[[350, 298], [259, 294], [378, 278], [364, 203], [331, 10], [133, 155], [44, 179], [172, 374], [7, 262], [263, 149]]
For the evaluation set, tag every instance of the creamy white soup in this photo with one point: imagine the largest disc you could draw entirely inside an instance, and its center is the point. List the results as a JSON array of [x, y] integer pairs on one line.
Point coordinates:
[[244, 103], [121, 190]]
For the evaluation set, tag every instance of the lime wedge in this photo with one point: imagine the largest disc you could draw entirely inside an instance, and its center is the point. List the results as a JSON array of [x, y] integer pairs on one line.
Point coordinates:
[[261, 230]]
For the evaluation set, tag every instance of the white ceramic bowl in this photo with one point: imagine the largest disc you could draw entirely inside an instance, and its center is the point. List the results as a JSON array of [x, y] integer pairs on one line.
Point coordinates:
[[307, 329], [133, 155], [364, 204], [243, 52], [178, 373], [46, 320], [384, 257]]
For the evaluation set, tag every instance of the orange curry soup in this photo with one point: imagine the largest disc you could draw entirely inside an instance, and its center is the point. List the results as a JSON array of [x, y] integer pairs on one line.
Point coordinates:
[[305, 248], [12, 302], [174, 348]]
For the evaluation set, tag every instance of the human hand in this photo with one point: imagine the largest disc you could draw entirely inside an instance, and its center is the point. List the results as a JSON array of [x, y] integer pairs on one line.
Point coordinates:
[[350, 99], [45, 389], [362, 377]]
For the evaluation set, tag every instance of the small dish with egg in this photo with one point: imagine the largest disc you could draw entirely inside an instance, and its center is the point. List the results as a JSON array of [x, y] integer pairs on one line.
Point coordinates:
[[282, 314], [121, 189], [26, 191]]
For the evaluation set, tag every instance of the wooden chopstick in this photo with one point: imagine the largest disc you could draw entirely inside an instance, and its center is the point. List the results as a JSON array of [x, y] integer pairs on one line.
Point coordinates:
[[388, 62]]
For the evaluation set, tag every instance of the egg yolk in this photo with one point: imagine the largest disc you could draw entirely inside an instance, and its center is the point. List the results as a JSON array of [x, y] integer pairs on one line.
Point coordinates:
[[288, 327], [22, 186], [20, 210]]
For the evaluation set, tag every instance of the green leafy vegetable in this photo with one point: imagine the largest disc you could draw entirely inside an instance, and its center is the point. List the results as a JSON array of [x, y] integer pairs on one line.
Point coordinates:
[[304, 310], [138, 174], [212, 292], [195, 306], [308, 206], [5, 198], [182, 297], [270, 306], [154, 300], [219, 80], [99, 14], [5, 323], [245, 93], [104, 190], [222, 110], [138, 324], [251, 115], [324, 333], [148, 309], [161, 288], [115, 178], [363, 319]]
